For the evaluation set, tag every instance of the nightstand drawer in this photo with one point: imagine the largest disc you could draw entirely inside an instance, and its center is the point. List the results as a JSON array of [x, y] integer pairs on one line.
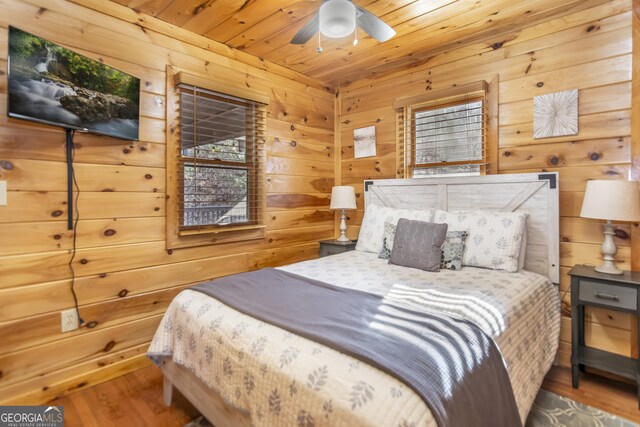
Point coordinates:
[[611, 295], [325, 251], [334, 247]]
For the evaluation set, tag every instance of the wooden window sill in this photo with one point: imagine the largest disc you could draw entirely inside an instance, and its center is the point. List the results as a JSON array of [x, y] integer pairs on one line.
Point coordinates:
[[216, 236]]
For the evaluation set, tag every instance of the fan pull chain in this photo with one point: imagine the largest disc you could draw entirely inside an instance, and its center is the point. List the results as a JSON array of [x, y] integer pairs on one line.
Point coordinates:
[[319, 49], [355, 36]]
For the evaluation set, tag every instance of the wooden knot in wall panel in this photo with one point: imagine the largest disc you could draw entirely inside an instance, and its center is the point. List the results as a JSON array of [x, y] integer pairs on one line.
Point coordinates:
[[109, 232], [6, 165], [621, 234], [109, 346]]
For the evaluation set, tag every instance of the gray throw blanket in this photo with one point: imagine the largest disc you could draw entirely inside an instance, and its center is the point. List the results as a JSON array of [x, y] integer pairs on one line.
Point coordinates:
[[452, 364]]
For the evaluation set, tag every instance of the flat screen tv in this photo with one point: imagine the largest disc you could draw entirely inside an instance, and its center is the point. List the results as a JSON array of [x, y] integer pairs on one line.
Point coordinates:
[[53, 85]]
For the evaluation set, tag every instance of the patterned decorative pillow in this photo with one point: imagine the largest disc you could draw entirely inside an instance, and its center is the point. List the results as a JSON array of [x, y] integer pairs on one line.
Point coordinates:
[[387, 240], [494, 239], [453, 249], [418, 244], [372, 228]]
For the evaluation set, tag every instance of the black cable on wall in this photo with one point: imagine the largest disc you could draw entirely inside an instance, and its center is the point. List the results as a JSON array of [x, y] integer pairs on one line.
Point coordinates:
[[73, 205]]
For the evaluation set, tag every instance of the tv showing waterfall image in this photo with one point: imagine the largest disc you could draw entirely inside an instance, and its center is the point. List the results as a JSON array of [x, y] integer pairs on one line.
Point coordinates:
[[53, 85]]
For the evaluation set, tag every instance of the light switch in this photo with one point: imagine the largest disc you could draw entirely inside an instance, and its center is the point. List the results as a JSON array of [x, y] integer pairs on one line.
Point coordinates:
[[3, 193]]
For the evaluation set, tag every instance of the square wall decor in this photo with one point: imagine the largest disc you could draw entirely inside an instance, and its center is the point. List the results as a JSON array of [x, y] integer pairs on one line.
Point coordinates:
[[555, 114]]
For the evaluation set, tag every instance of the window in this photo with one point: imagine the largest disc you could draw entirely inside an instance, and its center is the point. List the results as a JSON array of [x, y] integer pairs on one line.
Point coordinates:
[[217, 185], [447, 133], [448, 139]]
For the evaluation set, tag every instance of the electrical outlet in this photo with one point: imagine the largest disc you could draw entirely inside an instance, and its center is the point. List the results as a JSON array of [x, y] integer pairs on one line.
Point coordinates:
[[69, 320]]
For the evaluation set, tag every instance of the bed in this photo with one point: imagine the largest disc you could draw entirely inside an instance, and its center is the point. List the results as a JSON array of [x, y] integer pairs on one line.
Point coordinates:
[[240, 371]]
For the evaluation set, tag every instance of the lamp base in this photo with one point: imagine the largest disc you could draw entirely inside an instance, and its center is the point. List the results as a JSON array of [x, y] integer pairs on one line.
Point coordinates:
[[343, 228], [609, 250], [607, 269]]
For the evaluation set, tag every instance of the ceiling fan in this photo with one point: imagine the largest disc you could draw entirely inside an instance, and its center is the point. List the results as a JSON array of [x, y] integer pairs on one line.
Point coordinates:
[[339, 18]]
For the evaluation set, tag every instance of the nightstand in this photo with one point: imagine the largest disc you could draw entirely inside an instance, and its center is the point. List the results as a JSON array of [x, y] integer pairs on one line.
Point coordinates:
[[613, 292], [333, 247]]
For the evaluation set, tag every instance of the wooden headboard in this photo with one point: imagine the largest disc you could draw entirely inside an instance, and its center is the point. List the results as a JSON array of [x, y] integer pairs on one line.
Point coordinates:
[[533, 193]]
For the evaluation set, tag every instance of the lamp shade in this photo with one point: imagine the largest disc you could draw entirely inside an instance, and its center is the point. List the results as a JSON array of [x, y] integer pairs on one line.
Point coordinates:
[[612, 200], [337, 18], [343, 197]]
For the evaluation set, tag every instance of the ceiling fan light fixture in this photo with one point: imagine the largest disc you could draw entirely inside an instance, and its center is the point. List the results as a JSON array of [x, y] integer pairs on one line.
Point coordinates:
[[337, 18]]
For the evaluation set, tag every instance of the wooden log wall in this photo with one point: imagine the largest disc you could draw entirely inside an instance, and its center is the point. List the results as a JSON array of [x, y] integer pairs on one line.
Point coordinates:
[[588, 48], [125, 276]]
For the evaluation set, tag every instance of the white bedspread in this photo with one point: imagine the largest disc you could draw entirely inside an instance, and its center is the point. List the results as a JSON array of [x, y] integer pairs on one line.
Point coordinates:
[[285, 380]]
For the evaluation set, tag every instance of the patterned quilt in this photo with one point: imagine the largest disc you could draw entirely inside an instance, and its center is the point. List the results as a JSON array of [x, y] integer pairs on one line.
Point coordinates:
[[285, 380]]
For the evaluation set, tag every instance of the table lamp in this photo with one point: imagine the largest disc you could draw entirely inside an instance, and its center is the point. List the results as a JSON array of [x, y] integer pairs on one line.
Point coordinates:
[[343, 197], [611, 200]]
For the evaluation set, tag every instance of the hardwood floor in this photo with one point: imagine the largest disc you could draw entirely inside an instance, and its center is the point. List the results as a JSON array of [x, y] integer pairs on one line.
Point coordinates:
[[136, 400], [132, 400]]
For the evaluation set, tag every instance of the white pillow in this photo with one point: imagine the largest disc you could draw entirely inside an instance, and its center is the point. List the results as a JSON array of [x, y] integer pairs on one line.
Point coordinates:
[[494, 237], [522, 256], [372, 228]]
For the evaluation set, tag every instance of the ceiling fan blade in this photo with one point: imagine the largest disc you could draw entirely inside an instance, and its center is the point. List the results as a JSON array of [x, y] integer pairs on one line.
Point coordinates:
[[306, 32], [374, 26]]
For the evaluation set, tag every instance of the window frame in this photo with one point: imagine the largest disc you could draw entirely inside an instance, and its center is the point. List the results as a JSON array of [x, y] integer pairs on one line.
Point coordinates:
[[250, 165], [454, 95], [178, 235], [435, 106]]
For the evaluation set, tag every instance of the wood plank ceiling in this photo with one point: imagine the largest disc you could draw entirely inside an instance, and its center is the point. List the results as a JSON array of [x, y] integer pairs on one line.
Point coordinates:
[[424, 28]]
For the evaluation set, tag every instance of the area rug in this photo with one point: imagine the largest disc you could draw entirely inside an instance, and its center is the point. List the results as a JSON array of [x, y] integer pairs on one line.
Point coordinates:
[[553, 410], [549, 410]]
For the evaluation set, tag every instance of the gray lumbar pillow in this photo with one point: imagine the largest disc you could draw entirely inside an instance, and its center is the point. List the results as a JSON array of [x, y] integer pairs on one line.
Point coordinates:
[[418, 244]]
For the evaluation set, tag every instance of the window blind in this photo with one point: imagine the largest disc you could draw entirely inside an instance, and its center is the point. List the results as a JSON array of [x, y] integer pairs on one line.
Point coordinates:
[[220, 159], [445, 137]]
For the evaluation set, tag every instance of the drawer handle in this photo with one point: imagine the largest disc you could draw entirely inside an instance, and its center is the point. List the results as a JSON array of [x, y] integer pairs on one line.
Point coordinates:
[[607, 296]]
